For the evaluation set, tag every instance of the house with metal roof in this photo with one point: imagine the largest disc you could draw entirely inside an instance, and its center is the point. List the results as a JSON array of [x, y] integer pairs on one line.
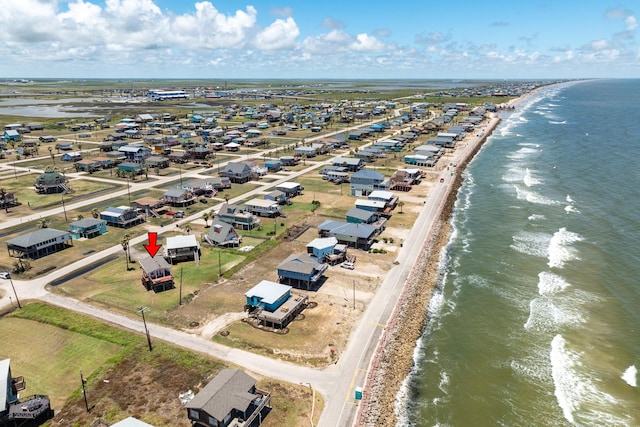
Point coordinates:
[[121, 216], [12, 135], [230, 397], [87, 228], [273, 305], [277, 196], [156, 273], [179, 197], [291, 189], [301, 270], [51, 182], [160, 162], [390, 200], [263, 207], [238, 216], [359, 236], [352, 164], [222, 234], [182, 248], [131, 167], [365, 181], [268, 295], [135, 152], [361, 216], [238, 172], [327, 250], [39, 243]]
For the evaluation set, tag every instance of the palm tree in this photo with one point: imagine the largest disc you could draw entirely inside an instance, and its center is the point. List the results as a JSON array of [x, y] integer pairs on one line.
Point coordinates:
[[44, 223], [95, 213], [401, 204], [187, 227], [206, 217], [125, 247]]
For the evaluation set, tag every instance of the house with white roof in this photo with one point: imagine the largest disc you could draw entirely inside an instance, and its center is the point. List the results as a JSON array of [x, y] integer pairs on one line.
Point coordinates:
[[182, 248]]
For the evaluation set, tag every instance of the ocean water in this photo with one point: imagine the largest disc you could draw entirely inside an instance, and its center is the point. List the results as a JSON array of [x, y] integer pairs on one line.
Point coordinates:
[[536, 320]]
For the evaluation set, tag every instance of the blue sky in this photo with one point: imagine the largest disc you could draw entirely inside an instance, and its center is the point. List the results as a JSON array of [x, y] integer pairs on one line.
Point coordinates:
[[319, 39]]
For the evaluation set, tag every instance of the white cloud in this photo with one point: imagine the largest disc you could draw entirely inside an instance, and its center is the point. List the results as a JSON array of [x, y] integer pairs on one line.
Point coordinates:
[[631, 22], [281, 34], [367, 43]]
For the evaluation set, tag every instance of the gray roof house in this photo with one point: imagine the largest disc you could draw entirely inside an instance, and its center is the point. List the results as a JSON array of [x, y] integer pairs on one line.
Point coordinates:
[[222, 234], [39, 243], [301, 269], [237, 216], [179, 197], [365, 181], [359, 236], [230, 397], [238, 172], [352, 164], [156, 273]]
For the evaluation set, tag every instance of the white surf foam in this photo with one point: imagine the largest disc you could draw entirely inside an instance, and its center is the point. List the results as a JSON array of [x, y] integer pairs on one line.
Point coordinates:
[[630, 376], [549, 283], [530, 178], [560, 248], [555, 122], [536, 217], [533, 196], [576, 391], [529, 243]]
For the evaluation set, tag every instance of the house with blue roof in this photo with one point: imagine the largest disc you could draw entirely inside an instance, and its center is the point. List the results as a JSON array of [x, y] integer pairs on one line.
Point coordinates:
[[301, 270], [12, 135]]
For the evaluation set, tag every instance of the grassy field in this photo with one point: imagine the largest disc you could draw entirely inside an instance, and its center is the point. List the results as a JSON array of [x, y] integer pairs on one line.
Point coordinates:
[[123, 378]]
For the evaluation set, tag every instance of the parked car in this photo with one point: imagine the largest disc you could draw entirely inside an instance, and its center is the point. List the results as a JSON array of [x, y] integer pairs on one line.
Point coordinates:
[[178, 214], [348, 265], [203, 200], [4, 275]]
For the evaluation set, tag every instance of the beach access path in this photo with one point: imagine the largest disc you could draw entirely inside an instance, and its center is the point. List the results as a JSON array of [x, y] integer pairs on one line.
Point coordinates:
[[336, 382]]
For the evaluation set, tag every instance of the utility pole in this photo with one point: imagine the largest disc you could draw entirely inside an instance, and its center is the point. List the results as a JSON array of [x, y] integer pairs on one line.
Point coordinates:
[[84, 392], [8, 276], [141, 310], [354, 294], [64, 209], [180, 300]]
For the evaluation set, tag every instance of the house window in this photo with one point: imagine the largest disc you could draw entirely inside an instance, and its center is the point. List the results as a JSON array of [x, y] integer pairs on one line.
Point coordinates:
[[194, 414]]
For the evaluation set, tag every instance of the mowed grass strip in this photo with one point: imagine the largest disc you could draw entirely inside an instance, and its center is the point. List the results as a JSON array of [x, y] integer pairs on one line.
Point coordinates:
[[51, 358]]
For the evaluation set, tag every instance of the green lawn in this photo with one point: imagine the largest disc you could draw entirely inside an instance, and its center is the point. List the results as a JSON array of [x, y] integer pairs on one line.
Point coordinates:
[[51, 358]]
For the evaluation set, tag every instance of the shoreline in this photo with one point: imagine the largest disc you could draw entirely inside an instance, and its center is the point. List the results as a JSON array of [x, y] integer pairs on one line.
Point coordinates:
[[393, 359]]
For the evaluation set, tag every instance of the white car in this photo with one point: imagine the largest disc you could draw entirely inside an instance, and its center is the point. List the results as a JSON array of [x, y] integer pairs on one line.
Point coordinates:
[[4, 275], [348, 265]]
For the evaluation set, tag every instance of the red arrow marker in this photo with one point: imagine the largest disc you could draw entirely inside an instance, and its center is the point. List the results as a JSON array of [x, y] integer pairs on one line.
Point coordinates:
[[152, 248]]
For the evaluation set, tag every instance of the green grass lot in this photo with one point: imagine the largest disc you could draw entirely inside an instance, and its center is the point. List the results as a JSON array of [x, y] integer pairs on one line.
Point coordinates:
[[22, 187], [66, 352], [119, 370]]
